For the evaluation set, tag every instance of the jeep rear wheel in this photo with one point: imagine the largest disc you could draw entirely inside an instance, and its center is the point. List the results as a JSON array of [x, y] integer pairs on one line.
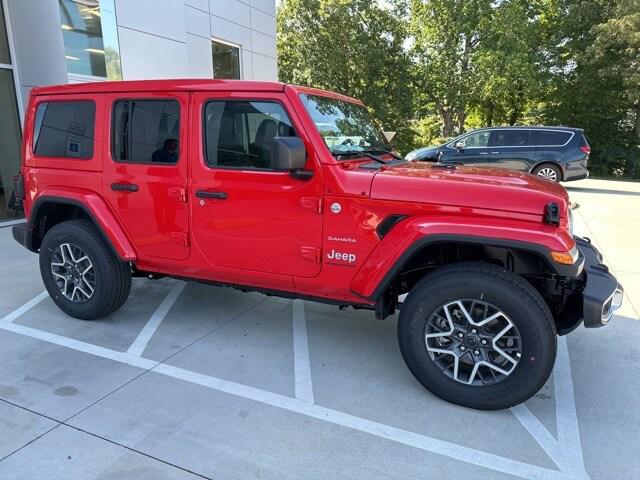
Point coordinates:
[[477, 335], [83, 277]]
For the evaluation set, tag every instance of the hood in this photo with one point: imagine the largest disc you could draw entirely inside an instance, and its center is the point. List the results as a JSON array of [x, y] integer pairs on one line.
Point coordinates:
[[475, 187]]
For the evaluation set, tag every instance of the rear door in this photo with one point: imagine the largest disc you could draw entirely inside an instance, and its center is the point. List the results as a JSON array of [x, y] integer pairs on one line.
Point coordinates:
[[549, 144], [246, 215], [145, 170], [511, 148]]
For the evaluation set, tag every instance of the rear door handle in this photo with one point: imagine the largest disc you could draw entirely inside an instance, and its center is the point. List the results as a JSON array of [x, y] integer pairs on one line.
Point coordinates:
[[124, 187], [214, 195], [483, 153]]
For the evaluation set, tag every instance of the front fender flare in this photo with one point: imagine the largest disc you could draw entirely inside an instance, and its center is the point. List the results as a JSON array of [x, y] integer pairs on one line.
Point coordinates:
[[412, 234], [91, 203]]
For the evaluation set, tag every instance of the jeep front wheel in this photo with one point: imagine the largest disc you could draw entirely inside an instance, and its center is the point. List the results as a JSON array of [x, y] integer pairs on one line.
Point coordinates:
[[477, 335], [83, 277]]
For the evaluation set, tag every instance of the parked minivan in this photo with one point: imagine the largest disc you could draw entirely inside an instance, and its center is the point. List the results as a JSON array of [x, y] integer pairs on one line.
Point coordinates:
[[559, 154]]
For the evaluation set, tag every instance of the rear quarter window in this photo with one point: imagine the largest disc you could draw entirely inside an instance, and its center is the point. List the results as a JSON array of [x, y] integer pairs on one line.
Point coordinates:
[[551, 138], [64, 129]]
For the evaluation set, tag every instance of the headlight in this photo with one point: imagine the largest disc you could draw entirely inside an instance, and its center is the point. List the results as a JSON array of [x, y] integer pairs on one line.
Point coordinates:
[[411, 155]]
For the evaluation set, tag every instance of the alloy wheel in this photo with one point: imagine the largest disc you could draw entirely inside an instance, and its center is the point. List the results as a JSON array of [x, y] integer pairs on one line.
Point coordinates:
[[73, 272], [473, 342], [548, 173]]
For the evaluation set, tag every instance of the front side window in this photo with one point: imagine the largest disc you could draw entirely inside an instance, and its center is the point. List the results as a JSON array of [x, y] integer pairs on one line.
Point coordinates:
[[64, 129], [344, 126], [226, 60], [146, 131], [475, 140], [510, 138], [552, 138], [239, 134]]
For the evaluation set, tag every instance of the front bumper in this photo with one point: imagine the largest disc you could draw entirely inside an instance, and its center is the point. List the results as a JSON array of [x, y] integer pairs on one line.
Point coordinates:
[[602, 294]]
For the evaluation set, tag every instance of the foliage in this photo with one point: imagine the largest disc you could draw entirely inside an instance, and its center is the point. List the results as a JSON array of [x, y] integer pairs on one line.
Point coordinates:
[[435, 68], [353, 47]]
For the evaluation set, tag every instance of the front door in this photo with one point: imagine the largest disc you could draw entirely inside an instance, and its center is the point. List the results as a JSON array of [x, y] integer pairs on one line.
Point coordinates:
[[474, 150], [145, 170], [245, 215]]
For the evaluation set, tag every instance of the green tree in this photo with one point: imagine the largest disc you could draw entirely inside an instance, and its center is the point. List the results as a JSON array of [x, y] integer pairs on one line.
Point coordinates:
[[354, 47], [586, 87], [617, 49], [447, 35]]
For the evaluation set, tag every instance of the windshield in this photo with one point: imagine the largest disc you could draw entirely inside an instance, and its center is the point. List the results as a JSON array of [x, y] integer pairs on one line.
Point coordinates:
[[344, 126]]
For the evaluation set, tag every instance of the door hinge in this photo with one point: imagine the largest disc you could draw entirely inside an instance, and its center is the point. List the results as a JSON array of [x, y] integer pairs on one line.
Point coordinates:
[[179, 193], [312, 203], [310, 253], [181, 238]]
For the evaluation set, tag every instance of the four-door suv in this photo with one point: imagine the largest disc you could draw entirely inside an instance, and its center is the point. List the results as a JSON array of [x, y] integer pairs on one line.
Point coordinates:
[[559, 154], [251, 185]]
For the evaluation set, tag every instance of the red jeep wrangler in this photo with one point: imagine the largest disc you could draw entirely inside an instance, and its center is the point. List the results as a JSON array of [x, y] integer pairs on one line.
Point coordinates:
[[296, 192]]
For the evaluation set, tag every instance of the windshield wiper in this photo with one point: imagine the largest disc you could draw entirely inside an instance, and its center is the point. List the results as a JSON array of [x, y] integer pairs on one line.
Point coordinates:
[[362, 153]]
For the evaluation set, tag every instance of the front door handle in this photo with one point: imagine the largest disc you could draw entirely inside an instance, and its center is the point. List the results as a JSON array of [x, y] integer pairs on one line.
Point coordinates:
[[483, 153], [214, 195], [124, 187]]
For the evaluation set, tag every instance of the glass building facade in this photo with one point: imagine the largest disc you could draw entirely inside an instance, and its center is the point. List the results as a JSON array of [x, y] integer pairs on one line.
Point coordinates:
[[10, 131]]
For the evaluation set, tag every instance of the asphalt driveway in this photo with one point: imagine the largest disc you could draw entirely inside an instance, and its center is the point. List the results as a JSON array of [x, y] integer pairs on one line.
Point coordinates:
[[193, 381]]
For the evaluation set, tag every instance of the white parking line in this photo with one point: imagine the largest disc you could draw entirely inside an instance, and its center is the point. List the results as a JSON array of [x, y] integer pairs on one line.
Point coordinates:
[[565, 451], [18, 312], [542, 436], [302, 366], [566, 415], [419, 441], [141, 341]]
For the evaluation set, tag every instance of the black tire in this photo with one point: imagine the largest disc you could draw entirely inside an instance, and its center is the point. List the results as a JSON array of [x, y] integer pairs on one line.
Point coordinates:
[[112, 278], [548, 171], [514, 296]]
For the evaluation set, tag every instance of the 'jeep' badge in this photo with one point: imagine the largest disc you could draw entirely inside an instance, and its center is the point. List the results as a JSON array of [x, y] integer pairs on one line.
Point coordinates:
[[341, 258]]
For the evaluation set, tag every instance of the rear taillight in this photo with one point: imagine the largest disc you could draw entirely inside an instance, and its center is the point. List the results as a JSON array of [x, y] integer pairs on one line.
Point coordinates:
[[585, 149]]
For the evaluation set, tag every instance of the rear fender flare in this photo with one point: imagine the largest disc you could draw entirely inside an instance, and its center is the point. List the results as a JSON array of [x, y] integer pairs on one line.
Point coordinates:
[[413, 234], [95, 208]]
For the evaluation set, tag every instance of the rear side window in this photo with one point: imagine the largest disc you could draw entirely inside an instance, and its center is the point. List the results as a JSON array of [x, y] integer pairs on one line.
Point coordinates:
[[146, 131], [509, 138], [240, 134], [552, 138], [64, 129]]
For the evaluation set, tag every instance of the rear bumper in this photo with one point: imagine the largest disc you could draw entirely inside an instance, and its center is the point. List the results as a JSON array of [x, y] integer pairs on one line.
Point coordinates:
[[575, 171], [602, 294]]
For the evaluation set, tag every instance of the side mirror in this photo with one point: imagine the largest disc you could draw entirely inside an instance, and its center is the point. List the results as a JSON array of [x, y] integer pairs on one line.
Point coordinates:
[[459, 146], [288, 154]]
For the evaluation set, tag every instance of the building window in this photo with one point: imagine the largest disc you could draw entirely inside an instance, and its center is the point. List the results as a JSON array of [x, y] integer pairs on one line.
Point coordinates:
[[64, 129], [226, 60], [89, 33], [146, 131]]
